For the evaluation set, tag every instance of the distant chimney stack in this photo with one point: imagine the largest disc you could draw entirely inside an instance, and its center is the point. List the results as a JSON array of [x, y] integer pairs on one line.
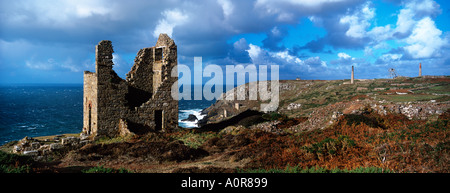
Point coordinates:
[[353, 76], [420, 69]]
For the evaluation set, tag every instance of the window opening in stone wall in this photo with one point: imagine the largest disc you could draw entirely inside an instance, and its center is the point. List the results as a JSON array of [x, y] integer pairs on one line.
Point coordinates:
[[136, 97], [158, 54], [89, 120]]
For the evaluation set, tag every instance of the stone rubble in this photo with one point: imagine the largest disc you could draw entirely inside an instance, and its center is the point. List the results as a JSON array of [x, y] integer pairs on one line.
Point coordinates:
[[34, 147], [327, 115], [293, 106], [411, 110], [270, 127]]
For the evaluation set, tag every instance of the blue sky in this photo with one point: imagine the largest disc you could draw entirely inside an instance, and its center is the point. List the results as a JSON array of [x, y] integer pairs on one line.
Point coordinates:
[[54, 41]]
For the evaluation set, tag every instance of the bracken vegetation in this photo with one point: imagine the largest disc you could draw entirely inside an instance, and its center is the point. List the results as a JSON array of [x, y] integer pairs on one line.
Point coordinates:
[[12, 163], [297, 169], [390, 143]]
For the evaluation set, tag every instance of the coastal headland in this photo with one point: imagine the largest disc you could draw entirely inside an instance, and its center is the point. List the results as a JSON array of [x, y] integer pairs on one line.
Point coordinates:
[[376, 125]]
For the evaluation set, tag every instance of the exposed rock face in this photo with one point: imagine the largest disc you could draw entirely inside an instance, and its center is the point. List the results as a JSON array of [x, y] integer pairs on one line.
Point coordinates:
[[191, 117], [143, 101]]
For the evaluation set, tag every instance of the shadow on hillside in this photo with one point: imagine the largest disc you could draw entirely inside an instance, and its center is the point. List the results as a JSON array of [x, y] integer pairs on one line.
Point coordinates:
[[246, 118]]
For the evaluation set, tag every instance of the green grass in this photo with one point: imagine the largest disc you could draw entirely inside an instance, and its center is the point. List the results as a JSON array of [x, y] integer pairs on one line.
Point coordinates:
[[440, 89], [12, 163], [195, 140], [13, 169], [108, 140], [102, 169]]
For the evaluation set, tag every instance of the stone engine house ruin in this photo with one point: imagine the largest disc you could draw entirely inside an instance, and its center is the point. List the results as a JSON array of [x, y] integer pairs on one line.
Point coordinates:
[[141, 103]]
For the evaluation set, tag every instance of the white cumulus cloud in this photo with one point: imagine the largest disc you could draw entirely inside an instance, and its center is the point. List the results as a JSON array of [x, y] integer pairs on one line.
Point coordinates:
[[413, 10], [172, 18], [343, 55], [390, 57], [359, 21], [425, 40]]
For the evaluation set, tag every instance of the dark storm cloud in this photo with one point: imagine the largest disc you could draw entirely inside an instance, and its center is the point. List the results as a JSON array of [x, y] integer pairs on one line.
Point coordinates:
[[61, 35], [131, 24], [274, 38]]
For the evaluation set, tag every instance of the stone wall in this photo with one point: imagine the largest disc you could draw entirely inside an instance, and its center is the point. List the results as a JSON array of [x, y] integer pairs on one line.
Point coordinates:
[[141, 102], [110, 93], [90, 103], [141, 72]]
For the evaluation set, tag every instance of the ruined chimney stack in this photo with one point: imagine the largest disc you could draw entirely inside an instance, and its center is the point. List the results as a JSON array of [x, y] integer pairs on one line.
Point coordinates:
[[353, 76], [420, 69], [103, 55]]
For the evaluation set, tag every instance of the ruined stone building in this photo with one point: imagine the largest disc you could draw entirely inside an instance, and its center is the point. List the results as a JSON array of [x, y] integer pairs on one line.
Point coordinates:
[[141, 103]]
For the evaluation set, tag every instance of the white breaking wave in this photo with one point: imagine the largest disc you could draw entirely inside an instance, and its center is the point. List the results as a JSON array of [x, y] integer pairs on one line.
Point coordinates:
[[185, 113]]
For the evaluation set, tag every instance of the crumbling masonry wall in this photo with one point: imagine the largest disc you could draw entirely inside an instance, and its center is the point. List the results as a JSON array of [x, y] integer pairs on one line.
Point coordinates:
[[90, 102], [141, 103]]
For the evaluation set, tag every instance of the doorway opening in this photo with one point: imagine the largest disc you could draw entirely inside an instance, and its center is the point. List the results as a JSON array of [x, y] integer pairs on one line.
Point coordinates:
[[158, 120], [89, 120]]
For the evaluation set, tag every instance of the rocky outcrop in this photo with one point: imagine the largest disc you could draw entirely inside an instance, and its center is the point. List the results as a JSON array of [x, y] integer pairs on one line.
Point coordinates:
[[293, 106], [323, 102], [422, 110], [191, 118]]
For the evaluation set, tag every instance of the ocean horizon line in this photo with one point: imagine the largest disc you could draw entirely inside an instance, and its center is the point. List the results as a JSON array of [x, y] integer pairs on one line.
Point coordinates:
[[81, 84], [203, 84]]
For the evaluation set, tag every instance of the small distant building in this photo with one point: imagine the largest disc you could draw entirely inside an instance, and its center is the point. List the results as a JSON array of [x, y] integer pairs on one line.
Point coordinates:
[[139, 104]]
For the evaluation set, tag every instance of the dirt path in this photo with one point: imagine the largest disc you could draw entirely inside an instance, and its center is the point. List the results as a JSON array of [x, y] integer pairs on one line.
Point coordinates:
[[218, 162]]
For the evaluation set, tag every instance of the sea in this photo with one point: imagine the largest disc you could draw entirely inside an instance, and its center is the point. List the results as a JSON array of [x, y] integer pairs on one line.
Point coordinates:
[[50, 109]]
